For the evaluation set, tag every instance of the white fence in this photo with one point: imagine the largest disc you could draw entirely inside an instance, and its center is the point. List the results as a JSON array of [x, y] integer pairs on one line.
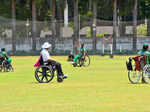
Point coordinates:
[[67, 43]]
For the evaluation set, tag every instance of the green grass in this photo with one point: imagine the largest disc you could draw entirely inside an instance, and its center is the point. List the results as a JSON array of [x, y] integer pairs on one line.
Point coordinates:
[[101, 87]]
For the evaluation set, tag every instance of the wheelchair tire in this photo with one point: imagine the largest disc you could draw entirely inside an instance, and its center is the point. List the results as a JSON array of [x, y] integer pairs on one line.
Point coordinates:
[[7, 67], [146, 74], [86, 61], [134, 76], [4, 66], [1, 68], [44, 74], [10, 68]]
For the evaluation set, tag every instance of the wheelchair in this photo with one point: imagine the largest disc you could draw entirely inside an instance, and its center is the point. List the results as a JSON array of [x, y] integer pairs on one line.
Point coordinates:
[[5, 66], [138, 67], [45, 73], [70, 58], [83, 61]]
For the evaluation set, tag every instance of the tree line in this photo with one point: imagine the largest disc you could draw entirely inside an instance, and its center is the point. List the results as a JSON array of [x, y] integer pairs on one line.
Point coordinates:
[[46, 10]]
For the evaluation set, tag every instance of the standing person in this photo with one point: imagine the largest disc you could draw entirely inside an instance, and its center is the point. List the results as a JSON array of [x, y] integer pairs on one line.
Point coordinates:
[[80, 55], [48, 59]]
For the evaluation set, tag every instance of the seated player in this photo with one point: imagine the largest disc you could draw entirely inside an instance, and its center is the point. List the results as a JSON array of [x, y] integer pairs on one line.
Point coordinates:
[[1, 60], [80, 55], [5, 56], [48, 59], [144, 52]]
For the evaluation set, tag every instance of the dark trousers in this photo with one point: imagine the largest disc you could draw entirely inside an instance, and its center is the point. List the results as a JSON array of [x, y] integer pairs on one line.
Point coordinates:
[[56, 66]]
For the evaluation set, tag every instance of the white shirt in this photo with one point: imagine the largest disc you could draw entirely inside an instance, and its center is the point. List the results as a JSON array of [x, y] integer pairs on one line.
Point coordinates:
[[45, 55]]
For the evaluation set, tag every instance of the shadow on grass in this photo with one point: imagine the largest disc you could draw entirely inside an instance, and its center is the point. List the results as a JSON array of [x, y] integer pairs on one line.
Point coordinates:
[[140, 83], [42, 83]]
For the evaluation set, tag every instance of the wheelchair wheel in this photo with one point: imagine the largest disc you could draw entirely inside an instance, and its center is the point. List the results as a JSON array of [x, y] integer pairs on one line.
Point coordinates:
[[134, 75], [4, 66], [44, 74], [146, 74], [10, 68], [1, 68], [86, 61], [7, 67]]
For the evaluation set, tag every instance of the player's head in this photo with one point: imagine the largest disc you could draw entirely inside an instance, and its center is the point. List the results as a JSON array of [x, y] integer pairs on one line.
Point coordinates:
[[2, 49], [82, 45], [46, 45], [145, 47]]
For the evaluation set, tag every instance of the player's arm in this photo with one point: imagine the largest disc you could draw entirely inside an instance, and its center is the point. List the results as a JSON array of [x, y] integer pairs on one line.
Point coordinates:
[[52, 59], [84, 53]]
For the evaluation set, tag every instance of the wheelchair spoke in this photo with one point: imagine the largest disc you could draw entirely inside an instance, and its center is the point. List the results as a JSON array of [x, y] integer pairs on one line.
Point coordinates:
[[48, 72], [42, 78], [46, 78], [49, 75], [39, 71], [40, 75]]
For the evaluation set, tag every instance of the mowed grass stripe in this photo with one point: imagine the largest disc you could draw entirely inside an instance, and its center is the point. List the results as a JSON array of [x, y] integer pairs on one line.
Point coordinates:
[[101, 87]]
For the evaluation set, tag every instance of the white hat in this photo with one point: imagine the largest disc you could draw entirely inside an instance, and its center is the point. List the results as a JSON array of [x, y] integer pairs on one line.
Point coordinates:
[[46, 45]]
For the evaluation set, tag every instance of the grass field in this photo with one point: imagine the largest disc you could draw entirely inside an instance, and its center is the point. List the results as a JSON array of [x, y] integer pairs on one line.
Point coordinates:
[[101, 87]]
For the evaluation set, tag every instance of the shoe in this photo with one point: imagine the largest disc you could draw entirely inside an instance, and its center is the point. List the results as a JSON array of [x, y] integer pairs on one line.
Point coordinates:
[[59, 80], [65, 76], [74, 64]]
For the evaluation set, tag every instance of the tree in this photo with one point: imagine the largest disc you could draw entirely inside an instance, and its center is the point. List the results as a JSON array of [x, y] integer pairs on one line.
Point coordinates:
[[53, 26], [34, 25], [76, 26], [114, 23], [94, 19], [13, 26], [135, 25], [58, 18]]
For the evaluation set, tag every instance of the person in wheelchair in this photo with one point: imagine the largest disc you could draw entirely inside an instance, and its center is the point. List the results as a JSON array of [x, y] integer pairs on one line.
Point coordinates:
[[81, 55], [1, 58], [144, 52], [5, 56], [50, 61]]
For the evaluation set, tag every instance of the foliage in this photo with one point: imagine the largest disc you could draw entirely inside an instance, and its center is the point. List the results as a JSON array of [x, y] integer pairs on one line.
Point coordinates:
[[142, 30], [97, 35], [88, 33], [101, 34], [105, 7]]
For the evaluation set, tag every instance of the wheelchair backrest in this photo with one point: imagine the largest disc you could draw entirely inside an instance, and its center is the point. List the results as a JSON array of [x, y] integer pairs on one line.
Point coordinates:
[[39, 62], [140, 62]]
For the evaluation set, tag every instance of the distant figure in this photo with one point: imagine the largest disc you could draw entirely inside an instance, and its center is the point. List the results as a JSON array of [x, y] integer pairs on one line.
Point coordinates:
[[80, 55], [71, 56], [5, 55], [144, 52]]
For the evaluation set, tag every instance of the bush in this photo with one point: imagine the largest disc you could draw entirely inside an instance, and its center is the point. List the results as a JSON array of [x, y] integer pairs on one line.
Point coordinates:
[[67, 52], [142, 30]]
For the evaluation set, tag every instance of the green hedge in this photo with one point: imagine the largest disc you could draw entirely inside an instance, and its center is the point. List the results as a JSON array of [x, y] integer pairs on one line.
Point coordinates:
[[67, 52]]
